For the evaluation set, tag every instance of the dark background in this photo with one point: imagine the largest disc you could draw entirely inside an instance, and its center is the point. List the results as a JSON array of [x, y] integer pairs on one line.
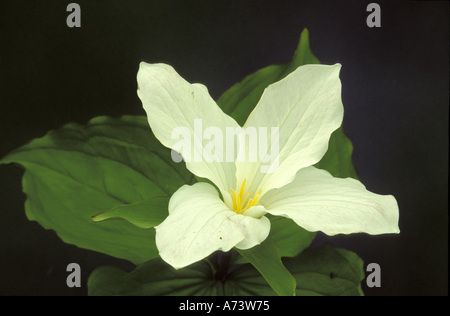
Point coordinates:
[[395, 94]]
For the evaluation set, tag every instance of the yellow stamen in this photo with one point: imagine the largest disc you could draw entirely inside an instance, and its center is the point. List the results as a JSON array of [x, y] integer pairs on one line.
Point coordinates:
[[242, 203], [233, 193], [249, 203], [241, 192]]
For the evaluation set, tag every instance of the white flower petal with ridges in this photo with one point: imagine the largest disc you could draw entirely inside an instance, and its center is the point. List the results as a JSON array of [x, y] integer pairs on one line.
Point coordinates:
[[199, 223], [317, 201], [306, 106], [172, 104]]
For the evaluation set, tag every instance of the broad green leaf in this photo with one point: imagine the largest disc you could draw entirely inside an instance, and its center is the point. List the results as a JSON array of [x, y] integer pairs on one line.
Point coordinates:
[[289, 237], [157, 278], [338, 158], [143, 214], [154, 278], [322, 271], [77, 171], [266, 258], [240, 99], [325, 271]]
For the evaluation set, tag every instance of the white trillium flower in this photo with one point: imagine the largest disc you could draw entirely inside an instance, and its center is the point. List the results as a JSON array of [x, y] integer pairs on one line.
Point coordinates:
[[306, 107]]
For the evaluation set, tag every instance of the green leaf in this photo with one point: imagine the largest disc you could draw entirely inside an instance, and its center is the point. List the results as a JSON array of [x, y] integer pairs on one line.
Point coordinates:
[[77, 171], [318, 272], [338, 158], [157, 278], [240, 99], [154, 278], [266, 258], [322, 271], [143, 214], [289, 237], [327, 271]]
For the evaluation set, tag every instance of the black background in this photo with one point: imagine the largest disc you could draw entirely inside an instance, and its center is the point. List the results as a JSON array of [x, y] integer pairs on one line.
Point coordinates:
[[395, 94]]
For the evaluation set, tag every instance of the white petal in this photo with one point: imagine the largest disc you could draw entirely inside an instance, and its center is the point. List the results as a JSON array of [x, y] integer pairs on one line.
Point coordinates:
[[174, 105], [318, 202], [306, 107], [256, 211], [199, 223]]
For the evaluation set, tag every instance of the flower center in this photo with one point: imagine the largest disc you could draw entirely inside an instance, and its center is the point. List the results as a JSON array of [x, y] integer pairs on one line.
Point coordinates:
[[242, 203]]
